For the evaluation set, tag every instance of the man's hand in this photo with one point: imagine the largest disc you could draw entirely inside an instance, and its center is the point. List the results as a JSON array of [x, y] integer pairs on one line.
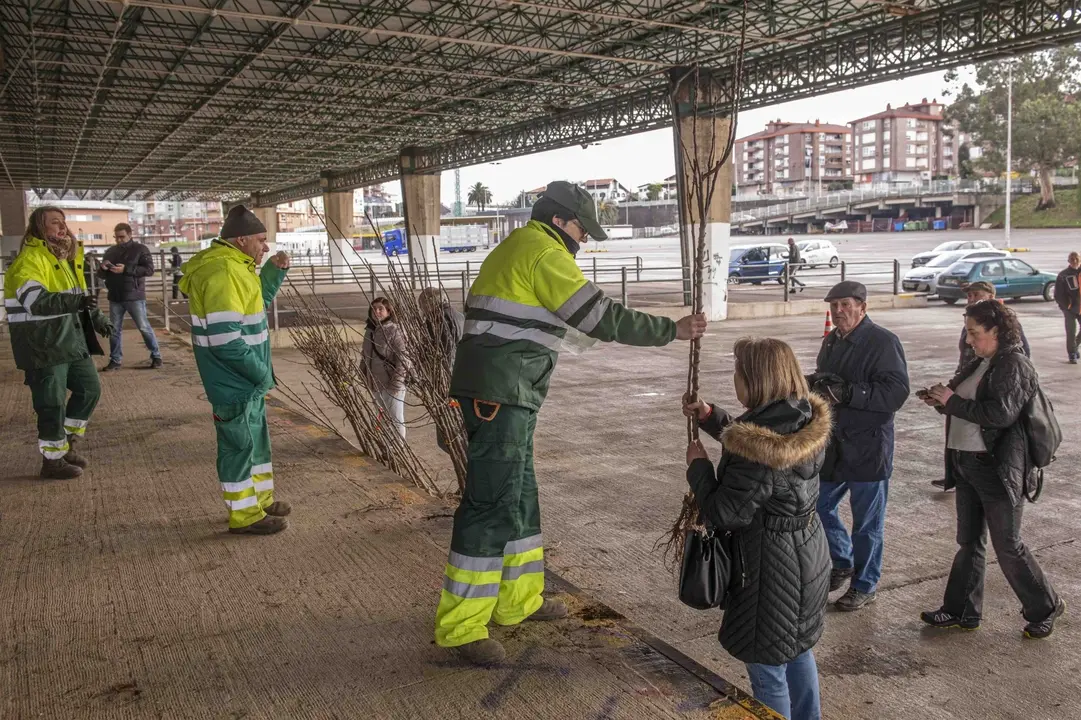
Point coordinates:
[[832, 387], [281, 260], [696, 451], [691, 327], [117, 269], [102, 325], [698, 409], [939, 393]]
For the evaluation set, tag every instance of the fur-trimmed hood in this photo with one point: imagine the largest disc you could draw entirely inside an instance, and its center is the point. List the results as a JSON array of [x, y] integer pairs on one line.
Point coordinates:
[[781, 435]]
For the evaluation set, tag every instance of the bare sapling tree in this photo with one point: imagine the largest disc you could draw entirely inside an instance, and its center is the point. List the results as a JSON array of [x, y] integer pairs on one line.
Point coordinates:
[[703, 156]]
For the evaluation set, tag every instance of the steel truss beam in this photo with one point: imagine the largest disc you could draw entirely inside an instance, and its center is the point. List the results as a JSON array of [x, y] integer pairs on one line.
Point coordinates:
[[942, 39], [220, 98]]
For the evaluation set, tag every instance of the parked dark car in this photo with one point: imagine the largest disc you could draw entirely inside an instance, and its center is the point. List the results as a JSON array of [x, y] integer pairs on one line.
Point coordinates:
[[1011, 277], [757, 263]]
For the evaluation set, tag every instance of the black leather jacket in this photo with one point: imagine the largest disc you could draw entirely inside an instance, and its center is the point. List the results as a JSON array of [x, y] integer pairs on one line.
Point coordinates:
[[1008, 384]]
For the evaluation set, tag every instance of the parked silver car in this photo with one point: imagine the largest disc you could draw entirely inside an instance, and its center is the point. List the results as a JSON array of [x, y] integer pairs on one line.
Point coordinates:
[[923, 278], [952, 246]]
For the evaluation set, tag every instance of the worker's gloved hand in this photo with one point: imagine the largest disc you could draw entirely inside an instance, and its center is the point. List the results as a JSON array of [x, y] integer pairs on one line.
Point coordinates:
[[102, 326], [86, 302], [831, 386]]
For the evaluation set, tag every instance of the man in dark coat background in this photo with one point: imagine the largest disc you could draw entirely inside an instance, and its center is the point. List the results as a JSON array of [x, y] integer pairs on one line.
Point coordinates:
[[1068, 299], [861, 370], [125, 268]]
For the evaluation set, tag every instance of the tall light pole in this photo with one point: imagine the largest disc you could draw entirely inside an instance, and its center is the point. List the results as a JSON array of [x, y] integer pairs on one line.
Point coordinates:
[[1009, 147]]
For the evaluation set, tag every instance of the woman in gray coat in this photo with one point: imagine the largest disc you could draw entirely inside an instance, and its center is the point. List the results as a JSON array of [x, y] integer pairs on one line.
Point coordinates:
[[764, 491], [386, 362]]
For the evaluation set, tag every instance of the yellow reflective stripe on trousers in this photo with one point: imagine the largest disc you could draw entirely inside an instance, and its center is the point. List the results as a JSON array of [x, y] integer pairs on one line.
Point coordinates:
[[53, 449], [522, 581], [75, 427], [263, 476]]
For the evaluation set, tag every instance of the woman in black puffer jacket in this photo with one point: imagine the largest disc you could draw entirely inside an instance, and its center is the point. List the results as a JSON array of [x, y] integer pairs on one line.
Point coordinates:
[[987, 461], [764, 490]]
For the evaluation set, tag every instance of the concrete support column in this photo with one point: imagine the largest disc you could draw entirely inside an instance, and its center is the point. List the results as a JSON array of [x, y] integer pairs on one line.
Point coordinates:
[[13, 217], [420, 206], [338, 213], [710, 131], [938, 211]]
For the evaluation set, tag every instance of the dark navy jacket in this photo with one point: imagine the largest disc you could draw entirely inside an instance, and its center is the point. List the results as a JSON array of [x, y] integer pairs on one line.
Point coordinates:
[[872, 361]]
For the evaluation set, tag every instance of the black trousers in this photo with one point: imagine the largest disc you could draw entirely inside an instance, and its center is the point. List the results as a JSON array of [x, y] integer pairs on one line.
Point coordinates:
[[983, 504], [1072, 338]]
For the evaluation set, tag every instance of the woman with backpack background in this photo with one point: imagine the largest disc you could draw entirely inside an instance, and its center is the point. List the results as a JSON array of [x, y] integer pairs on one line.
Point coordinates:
[[988, 460], [385, 361]]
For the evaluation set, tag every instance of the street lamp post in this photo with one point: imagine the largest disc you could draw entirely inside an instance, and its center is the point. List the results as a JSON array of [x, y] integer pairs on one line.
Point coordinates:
[[1009, 147]]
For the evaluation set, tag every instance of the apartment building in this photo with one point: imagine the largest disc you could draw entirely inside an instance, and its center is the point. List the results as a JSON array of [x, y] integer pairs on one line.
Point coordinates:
[[791, 157], [601, 189], [160, 222], [669, 189], [908, 144]]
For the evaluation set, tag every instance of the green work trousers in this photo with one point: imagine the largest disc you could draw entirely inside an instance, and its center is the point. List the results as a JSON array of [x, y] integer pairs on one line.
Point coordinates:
[[244, 468], [60, 416], [496, 564]]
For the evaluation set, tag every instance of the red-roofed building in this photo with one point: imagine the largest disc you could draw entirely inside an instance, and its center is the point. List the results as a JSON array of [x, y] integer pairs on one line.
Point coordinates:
[[790, 157], [907, 144]]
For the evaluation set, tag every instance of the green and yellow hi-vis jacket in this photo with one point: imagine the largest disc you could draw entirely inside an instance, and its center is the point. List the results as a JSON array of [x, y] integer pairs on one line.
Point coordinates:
[[229, 334], [42, 295], [528, 292]]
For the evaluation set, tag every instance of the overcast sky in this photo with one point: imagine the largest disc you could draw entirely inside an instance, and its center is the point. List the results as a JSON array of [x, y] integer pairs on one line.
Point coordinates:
[[648, 157]]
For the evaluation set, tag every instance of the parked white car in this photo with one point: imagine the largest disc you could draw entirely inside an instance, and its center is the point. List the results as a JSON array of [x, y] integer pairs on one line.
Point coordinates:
[[952, 246], [925, 277], [818, 252]]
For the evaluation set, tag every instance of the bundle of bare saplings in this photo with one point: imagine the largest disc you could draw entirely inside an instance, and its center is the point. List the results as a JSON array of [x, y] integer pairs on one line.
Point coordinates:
[[329, 342]]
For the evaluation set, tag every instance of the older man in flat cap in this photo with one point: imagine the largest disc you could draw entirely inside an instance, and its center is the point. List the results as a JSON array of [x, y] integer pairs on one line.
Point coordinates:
[[228, 302], [861, 370]]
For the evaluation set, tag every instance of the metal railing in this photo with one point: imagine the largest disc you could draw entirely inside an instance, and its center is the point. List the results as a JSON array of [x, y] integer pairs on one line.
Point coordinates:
[[880, 191]]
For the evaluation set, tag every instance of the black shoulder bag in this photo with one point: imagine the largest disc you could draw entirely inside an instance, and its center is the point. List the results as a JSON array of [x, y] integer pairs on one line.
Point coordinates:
[[1042, 438], [706, 572]]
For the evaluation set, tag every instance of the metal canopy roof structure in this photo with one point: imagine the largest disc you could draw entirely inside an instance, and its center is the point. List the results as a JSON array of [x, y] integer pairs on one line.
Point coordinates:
[[284, 99]]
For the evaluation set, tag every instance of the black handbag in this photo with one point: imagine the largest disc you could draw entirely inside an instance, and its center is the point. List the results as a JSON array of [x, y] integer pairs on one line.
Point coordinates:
[[706, 571]]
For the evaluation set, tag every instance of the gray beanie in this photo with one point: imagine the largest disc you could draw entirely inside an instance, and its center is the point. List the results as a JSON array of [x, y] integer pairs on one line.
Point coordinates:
[[241, 222]]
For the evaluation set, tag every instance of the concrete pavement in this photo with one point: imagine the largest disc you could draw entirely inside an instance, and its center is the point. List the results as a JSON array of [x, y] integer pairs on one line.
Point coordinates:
[[125, 597]]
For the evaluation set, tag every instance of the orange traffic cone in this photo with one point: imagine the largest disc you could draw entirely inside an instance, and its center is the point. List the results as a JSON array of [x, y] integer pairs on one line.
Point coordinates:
[[829, 325]]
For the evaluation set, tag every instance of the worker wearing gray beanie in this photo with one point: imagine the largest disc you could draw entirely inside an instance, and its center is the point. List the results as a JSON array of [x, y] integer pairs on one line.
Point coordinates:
[[241, 222]]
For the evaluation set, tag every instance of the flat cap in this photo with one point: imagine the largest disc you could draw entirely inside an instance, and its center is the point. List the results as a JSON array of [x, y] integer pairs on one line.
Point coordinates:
[[847, 289]]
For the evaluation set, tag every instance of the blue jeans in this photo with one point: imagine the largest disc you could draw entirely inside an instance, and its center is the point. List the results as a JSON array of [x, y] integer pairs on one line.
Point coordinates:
[[790, 689], [137, 310], [863, 551]]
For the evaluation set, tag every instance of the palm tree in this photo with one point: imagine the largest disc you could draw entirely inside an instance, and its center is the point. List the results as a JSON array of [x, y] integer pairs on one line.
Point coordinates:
[[480, 196], [606, 212]]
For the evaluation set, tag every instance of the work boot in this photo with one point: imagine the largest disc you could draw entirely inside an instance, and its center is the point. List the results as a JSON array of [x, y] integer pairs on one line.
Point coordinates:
[[267, 526], [155, 363], [111, 366], [73, 457], [853, 599], [550, 610], [838, 577], [483, 652], [944, 620], [1044, 628], [59, 470], [278, 508]]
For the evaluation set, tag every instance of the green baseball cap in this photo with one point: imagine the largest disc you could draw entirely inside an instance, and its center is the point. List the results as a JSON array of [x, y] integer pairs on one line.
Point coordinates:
[[578, 201]]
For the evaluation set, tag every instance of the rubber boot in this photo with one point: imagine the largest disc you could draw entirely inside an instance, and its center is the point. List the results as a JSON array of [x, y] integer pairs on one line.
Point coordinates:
[[483, 652], [59, 469], [267, 526], [73, 457]]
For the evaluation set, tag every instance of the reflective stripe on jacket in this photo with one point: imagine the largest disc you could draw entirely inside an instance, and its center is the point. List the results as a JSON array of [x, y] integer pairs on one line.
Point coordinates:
[[528, 292], [229, 332], [42, 295]]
